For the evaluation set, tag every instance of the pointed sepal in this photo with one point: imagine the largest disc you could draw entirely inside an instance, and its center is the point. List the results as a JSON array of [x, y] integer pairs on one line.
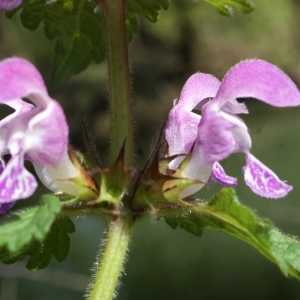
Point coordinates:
[[88, 190], [158, 187], [114, 182], [149, 187], [91, 159], [173, 189]]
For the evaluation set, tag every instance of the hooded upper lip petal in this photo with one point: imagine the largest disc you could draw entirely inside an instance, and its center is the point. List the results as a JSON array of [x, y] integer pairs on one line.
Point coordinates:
[[219, 133]]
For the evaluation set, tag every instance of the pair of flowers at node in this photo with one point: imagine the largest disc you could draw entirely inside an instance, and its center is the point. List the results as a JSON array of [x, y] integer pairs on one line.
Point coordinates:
[[203, 141], [38, 132]]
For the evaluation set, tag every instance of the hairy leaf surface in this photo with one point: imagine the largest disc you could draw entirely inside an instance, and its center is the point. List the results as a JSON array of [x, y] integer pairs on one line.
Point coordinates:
[[225, 213]]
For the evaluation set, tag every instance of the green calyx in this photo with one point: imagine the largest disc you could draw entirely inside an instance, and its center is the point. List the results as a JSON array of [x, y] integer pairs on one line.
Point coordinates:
[[114, 182], [158, 187], [86, 185], [138, 192]]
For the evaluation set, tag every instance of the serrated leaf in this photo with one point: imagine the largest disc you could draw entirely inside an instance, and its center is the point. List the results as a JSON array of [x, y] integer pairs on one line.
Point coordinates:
[[150, 9], [80, 36], [78, 29], [188, 224], [21, 227], [226, 7], [57, 244], [225, 213]]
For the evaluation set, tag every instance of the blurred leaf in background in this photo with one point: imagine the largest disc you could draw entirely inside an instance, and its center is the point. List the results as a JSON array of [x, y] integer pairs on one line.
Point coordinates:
[[226, 7]]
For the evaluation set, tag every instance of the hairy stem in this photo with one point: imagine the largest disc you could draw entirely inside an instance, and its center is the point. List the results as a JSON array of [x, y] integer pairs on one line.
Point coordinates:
[[112, 258], [113, 12]]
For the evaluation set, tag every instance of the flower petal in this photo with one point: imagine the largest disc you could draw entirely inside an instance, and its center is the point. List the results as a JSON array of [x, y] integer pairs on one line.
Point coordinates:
[[4, 207], [42, 132], [182, 125], [197, 88], [44, 176], [57, 178], [234, 107], [20, 108], [219, 175], [2, 165], [180, 133], [261, 80], [196, 169], [15, 181], [263, 181], [47, 136], [19, 79], [9, 4], [221, 134]]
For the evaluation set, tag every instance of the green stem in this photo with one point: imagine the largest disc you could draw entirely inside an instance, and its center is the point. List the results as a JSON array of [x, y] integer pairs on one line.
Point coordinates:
[[113, 12], [112, 258]]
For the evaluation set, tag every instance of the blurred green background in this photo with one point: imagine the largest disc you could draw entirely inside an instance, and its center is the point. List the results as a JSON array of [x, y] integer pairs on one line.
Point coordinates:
[[166, 264]]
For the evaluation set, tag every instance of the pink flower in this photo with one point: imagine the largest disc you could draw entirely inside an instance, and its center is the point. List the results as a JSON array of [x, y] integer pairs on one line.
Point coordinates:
[[38, 133], [218, 132]]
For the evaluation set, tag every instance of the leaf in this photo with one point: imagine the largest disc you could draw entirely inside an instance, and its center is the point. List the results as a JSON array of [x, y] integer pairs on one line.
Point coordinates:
[[132, 25], [286, 251], [80, 36], [225, 213], [188, 224], [226, 7], [150, 9], [57, 244], [78, 29], [20, 228]]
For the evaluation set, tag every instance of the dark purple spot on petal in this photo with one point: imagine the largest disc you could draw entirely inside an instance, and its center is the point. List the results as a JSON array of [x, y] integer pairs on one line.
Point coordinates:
[[4, 207]]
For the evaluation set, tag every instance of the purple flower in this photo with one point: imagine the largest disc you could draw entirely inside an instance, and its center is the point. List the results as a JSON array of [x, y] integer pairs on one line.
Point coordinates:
[[9, 4], [38, 133], [218, 132]]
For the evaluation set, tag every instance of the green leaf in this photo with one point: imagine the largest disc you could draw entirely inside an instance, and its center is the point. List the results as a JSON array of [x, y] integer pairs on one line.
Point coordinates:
[[226, 7], [150, 9], [21, 227], [80, 36], [132, 25], [188, 224], [225, 213], [57, 244], [286, 251], [78, 29]]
